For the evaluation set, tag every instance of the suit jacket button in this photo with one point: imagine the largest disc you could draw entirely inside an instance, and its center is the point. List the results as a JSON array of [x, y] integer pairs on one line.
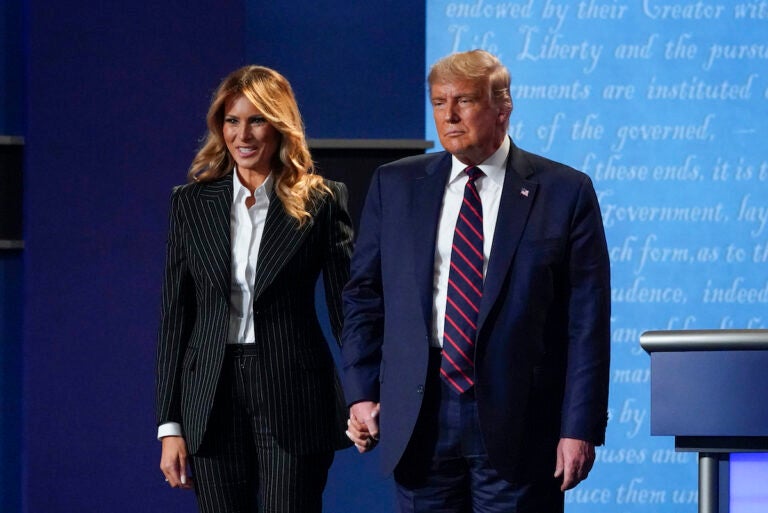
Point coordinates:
[[420, 389]]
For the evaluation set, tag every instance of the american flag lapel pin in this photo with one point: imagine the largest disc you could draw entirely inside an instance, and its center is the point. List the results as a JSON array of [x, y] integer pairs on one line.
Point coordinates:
[[524, 192]]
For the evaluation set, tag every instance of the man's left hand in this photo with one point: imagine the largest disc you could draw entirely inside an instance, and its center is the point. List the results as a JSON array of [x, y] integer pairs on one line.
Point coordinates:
[[574, 461]]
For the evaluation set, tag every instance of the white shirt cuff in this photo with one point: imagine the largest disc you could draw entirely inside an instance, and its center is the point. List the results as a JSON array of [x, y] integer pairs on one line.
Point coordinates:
[[168, 429]]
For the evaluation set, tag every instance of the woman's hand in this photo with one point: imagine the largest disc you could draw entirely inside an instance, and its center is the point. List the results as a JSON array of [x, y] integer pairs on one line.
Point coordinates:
[[173, 462], [363, 425]]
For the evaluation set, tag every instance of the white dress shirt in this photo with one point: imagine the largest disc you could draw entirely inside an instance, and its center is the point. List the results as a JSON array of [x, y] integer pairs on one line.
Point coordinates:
[[246, 226], [489, 188]]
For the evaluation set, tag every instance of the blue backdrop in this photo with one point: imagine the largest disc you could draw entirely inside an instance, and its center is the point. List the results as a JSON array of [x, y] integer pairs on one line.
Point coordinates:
[[117, 95], [11, 263], [663, 104]]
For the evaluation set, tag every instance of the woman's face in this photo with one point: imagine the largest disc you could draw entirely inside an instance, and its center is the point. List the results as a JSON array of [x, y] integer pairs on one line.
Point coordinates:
[[250, 139]]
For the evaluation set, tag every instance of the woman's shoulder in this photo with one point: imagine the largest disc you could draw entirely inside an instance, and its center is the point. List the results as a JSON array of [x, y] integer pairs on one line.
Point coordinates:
[[334, 185], [195, 188], [326, 194]]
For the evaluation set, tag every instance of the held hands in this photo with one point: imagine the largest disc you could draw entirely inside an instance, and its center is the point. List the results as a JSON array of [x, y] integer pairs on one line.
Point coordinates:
[[574, 461], [173, 462], [363, 425]]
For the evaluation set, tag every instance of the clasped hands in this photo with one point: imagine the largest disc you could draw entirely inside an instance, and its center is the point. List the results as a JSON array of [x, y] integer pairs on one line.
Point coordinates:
[[363, 425]]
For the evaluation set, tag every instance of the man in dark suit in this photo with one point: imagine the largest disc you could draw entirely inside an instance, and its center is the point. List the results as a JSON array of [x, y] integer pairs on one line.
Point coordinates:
[[477, 312]]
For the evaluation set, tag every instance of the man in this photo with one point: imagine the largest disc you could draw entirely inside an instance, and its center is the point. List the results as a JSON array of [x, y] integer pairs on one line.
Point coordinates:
[[477, 313]]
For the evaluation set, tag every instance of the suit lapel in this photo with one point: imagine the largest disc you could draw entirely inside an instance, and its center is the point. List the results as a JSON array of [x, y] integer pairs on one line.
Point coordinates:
[[212, 231], [426, 203], [281, 238], [517, 197]]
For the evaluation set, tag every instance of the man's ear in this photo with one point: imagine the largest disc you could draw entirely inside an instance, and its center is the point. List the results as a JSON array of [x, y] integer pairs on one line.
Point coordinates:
[[504, 115]]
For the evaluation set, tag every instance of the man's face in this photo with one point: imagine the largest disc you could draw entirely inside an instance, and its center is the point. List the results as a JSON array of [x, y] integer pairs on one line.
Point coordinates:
[[469, 125]]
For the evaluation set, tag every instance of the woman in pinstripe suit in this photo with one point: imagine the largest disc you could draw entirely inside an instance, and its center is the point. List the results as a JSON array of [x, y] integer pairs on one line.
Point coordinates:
[[247, 395]]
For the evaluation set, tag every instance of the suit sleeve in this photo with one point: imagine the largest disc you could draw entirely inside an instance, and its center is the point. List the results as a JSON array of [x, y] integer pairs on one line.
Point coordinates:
[[585, 403], [363, 302], [176, 319], [337, 254]]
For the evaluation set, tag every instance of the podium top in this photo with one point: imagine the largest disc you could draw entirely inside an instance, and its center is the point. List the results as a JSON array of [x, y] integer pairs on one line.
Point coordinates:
[[704, 340]]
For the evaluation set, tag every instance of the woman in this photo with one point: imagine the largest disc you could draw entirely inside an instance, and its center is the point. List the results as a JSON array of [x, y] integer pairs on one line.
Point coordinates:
[[247, 393]]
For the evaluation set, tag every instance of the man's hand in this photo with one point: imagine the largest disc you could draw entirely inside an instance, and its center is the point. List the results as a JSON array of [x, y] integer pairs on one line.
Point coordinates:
[[363, 425], [173, 462], [574, 461]]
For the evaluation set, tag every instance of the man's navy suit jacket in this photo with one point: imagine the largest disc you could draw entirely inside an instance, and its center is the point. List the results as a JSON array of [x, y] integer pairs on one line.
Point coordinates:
[[542, 352]]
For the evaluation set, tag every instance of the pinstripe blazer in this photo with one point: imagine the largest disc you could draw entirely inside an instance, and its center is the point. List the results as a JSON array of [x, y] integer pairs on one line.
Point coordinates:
[[303, 400]]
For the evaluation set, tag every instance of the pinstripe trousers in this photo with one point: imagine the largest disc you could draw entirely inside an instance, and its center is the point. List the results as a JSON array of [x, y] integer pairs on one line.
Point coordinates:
[[240, 467]]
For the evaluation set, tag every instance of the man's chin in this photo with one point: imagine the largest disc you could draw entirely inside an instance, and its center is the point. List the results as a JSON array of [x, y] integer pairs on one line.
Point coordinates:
[[453, 147]]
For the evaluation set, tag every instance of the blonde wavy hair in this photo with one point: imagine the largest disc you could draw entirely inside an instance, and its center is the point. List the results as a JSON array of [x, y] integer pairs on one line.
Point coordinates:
[[295, 180], [477, 66]]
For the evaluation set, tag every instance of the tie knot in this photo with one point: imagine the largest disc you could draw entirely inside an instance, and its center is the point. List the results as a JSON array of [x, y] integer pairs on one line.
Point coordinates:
[[473, 173]]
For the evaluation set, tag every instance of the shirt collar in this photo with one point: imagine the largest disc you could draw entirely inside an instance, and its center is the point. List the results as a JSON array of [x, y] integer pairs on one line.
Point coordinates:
[[240, 191], [493, 167]]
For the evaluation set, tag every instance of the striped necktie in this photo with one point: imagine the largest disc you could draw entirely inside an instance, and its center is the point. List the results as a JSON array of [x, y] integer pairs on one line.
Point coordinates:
[[465, 289]]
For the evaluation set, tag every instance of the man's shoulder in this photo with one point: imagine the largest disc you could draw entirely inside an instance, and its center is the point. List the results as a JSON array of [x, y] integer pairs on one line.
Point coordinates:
[[544, 168], [414, 162]]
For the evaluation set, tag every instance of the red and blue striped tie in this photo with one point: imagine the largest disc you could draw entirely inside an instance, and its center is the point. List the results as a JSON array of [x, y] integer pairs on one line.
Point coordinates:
[[465, 289]]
